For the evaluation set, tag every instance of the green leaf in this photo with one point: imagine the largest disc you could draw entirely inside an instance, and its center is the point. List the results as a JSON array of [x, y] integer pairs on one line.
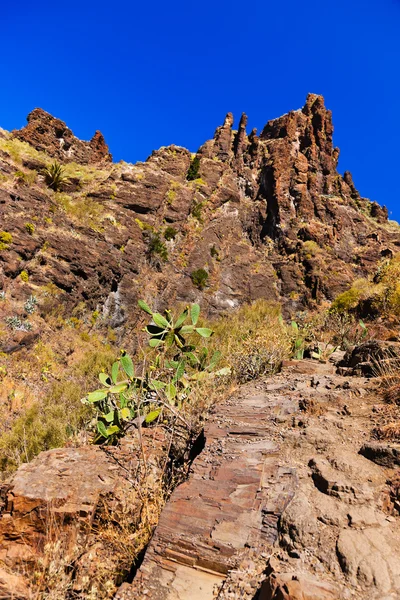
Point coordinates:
[[101, 428], [169, 339], [362, 324], [170, 391], [195, 313], [223, 372], [204, 332], [187, 329], [153, 343], [112, 429], [295, 327], [179, 371], [155, 331], [116, 389], [192, 358], [97, 395], [216, 357], [160, 320], [142, 304], [127, 365], [125, 413], [109, 417], [172, 364], [200, 376], [154, 384], [123, 400], [105, 379], [152, 416], [114, 372], [181, 319]]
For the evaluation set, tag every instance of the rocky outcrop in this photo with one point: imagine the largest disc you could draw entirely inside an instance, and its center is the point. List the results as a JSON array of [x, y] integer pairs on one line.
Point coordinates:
[[265, 216], [52, 514], [48, 134], [280, 505]]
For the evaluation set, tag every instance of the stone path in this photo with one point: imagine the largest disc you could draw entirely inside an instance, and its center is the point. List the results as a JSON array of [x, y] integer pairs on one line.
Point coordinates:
[[270, 500]]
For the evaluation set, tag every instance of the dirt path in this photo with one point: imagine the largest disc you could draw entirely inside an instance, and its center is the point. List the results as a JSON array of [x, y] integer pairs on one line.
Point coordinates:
[[280, 504]]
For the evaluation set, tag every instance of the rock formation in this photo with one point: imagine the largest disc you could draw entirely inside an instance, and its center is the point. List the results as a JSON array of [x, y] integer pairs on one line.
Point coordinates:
[[46, 133], [258, 216], [266, 216]]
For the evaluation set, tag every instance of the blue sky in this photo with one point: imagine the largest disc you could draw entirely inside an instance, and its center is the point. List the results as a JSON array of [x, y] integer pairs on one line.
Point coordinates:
[[148, 74]]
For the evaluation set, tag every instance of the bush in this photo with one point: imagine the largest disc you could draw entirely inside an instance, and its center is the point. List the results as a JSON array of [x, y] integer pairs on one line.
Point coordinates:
[[156, 246], [253, 340], [199, 278], [30, 305], [16, 324], [193, 171], [214, 253], [346, 301], [170, 233], [24, 276], [197, 210], [167, 381], [30, 228], [311, 248], [5, 240], [25, 177], [54, 176]]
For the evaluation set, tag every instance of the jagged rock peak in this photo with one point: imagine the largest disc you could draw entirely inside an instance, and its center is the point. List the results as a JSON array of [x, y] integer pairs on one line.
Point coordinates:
[[51, 135]]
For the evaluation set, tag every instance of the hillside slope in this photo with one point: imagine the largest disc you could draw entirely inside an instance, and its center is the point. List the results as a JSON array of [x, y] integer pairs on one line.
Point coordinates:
[[264, 216]]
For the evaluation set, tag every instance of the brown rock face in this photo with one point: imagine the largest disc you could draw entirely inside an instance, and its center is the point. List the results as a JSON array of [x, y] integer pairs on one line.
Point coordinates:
[[48, 134], [266, 216], [51, 504]]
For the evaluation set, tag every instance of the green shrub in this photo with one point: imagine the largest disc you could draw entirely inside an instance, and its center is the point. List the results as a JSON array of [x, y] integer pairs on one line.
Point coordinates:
[[170, 233], [170, 375], [199, 278], [30, 228], [197, 210], [5, 240], [156, 246], [16, 324], [24, 276], [193, 171], [311, 248], [171, 195], [54, 176], [346, 301], [30, 305]]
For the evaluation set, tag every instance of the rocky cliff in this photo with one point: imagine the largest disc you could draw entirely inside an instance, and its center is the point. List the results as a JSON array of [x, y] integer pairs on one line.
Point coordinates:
[[285, 484], [246, 217]]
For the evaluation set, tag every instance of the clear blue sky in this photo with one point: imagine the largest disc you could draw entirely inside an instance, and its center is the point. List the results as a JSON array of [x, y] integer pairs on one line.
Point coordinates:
[[148, 74]]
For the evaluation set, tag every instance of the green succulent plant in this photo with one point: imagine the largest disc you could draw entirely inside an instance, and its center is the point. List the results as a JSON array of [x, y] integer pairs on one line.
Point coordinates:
[[54, 176], [127, 398]]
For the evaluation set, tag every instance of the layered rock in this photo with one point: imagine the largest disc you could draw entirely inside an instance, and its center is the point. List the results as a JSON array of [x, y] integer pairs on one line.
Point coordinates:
[[48, 134], [266, 216]]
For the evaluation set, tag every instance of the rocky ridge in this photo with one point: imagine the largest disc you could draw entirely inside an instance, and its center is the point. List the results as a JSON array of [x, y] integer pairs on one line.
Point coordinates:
[[265, 216]]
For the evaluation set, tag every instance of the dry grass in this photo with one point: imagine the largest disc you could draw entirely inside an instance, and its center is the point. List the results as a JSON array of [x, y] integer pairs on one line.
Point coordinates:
[[253, 340], [388, 373]]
